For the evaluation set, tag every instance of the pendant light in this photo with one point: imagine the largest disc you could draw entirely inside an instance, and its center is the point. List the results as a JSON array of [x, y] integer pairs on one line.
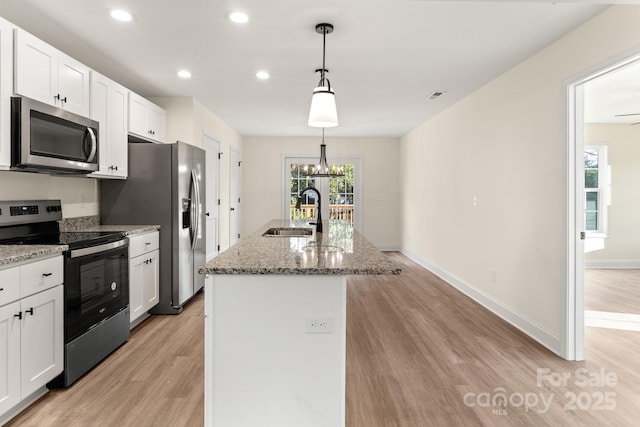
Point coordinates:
[[323, 111], [321, 170]]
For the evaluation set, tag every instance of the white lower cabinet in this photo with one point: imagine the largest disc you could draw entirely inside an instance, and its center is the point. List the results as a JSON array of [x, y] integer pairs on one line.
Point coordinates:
[[31, 331], [144, 274]]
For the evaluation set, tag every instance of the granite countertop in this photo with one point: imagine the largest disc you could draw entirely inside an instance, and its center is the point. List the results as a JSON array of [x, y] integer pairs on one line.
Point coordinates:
[[128, 229], [10, 254], [340, 250]]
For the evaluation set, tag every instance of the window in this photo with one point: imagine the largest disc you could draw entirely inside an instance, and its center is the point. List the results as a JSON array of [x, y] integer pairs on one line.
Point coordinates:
[[596, 189], [339, 195]]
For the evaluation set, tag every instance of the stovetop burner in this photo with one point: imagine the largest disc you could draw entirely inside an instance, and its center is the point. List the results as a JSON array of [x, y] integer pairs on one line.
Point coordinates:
[[36, 223]]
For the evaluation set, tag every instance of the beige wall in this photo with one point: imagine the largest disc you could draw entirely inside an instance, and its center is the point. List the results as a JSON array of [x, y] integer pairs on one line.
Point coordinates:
[[263, 173], [187, 121], [623, 243], [506, 144], [78, 194]]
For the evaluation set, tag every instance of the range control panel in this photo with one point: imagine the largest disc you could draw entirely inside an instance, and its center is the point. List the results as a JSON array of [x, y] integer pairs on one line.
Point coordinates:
[[21, 211]]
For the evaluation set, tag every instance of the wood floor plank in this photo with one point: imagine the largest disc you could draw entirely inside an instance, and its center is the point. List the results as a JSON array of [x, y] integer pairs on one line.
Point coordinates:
[[415, 348]]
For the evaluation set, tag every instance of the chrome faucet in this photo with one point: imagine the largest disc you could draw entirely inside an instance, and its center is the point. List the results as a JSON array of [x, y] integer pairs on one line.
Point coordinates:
[[318, 222]]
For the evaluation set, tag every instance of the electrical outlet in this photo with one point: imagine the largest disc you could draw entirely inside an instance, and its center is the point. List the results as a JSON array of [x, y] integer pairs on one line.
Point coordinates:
[[319, 325], [492, 275]]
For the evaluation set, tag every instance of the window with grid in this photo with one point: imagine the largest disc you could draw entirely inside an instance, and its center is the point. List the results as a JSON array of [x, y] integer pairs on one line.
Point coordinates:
[[299, 181], [596, 189], [341, 194]]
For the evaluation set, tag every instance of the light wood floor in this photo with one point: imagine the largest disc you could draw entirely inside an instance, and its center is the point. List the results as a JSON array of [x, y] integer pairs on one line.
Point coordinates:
[[415, 348], [612, 290]]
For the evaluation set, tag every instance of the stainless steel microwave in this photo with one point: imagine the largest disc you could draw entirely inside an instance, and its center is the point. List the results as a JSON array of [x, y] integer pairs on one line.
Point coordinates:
[[45, 138]]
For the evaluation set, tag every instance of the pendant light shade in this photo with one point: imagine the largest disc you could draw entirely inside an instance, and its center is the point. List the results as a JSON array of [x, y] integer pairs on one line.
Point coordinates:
[[323, 112]]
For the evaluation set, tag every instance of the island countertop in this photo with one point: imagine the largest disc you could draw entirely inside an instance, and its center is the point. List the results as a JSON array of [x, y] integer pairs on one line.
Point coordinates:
[[340, 250]]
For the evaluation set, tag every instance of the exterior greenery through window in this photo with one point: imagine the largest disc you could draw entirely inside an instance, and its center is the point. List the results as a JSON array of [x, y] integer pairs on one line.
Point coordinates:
[[596, 188], [341, 192]]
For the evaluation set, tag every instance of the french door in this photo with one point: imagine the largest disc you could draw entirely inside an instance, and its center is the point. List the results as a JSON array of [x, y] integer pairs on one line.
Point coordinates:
[[339, 196]]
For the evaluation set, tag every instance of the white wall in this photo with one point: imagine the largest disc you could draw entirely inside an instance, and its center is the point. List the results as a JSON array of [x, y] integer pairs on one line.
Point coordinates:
[[506, 144], [187, 121], [79, 195], [622, 246], [262, 180]]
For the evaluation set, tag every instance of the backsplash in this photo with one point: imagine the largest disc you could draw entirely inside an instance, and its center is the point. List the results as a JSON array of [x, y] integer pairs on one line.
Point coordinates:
[[79, 223]]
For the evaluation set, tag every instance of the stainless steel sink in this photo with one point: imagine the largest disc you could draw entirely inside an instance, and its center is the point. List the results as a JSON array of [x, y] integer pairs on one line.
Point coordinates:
[[288, 232]]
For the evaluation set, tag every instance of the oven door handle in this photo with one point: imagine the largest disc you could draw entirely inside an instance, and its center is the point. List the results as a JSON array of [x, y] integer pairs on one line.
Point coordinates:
[[96, 249]]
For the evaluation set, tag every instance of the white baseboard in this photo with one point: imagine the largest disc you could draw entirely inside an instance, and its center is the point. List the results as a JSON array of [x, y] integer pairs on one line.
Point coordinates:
[[24, 404], [526, 325], [604, 319], [612, 263], [388, 248]]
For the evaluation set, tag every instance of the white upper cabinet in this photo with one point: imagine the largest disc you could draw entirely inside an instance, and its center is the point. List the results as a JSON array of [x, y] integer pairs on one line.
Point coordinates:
[[146, 119], [44, 73], [109, 107], [6, 89]]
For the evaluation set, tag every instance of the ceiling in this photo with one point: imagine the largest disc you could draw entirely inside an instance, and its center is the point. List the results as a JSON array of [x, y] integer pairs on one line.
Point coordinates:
[[385, 57]]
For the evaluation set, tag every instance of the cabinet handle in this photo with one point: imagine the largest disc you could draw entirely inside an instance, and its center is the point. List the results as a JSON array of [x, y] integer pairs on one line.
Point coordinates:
[[57, 97], [47, 274], [147, 243], [19, 315], [64, 100], [30, 311], [1, 289]]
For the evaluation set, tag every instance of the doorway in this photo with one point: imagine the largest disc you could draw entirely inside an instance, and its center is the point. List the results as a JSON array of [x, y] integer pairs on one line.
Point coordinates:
[[340, 196], [588, 198], [212, 215], [234, 196]]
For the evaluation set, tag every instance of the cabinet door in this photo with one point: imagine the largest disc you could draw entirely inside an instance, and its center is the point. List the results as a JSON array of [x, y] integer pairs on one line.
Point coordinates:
[[99, 113], [138, 107], [6, 89], [151, 279], [73, 85], [41, 339], [117, 123], [156, 122], [9, 356], [136, 287], [36, 68]]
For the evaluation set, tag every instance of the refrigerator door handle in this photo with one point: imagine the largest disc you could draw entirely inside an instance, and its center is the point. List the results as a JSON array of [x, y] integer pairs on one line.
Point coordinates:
[[198, 205], [193, 229]]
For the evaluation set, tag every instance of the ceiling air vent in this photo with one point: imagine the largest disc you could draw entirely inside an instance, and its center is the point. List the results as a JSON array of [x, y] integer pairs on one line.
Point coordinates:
[[437, 94]]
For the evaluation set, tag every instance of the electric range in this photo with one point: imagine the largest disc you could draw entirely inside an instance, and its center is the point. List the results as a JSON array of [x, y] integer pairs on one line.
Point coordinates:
[[96, 281]]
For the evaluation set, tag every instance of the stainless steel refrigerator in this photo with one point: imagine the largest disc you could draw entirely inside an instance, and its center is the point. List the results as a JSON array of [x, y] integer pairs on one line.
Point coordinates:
[[166, 186]]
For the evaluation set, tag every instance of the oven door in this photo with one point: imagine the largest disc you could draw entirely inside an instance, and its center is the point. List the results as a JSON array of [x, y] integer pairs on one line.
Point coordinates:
[[96, 286]]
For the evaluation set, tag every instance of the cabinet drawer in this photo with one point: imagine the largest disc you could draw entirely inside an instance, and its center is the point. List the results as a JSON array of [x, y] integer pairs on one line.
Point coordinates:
[[9, 285], [40, 275], [143, 243]]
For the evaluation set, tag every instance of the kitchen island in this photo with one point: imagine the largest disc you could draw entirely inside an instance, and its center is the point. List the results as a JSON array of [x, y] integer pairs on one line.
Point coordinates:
[[275, 325]]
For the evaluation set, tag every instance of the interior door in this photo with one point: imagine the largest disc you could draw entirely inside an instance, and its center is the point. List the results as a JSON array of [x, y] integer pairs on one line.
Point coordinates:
[[234, 197], [212, 148]]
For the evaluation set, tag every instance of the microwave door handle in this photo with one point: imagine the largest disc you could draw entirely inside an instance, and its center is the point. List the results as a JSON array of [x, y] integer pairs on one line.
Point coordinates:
[[94, 145]]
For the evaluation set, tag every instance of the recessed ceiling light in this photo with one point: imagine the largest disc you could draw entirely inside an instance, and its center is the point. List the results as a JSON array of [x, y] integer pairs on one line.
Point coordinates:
[[262, 75], [121, 15], [185, 74], [238, 17]]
